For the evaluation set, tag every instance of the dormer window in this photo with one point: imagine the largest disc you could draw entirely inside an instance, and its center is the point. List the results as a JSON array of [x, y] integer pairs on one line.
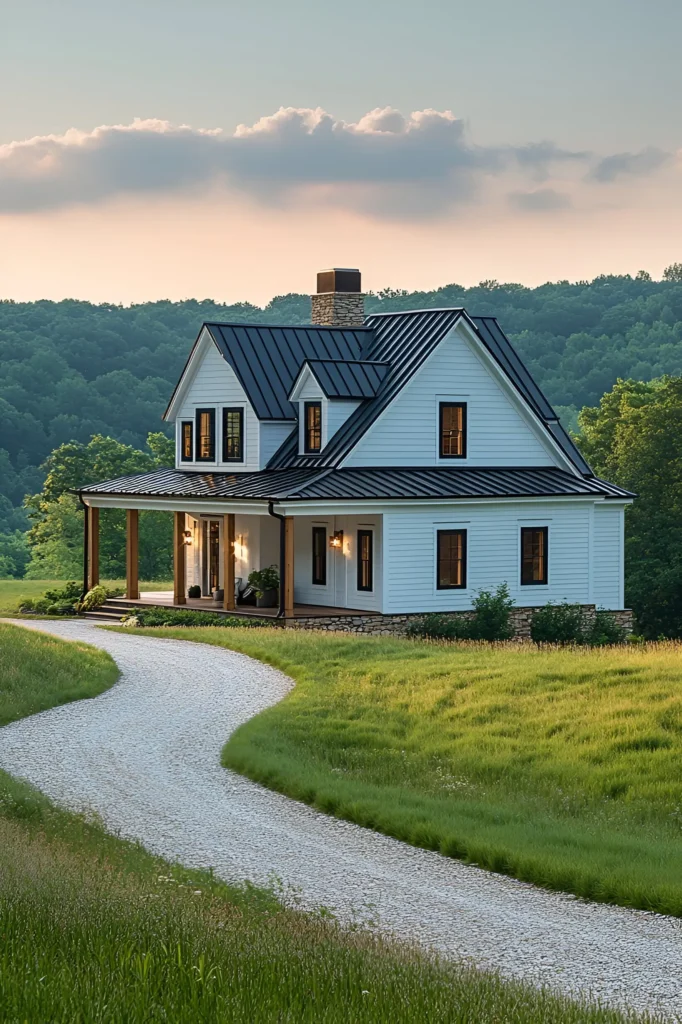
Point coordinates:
[[187, 441], [452, 430], [205, 443], [312, 427], [233, 435]]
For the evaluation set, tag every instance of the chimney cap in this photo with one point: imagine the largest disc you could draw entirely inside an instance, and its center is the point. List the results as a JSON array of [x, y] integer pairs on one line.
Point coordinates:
[[338, 279]]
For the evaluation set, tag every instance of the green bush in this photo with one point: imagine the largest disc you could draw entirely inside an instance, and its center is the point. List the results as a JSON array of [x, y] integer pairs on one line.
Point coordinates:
[[54, 602], [489, 621], [557, 624], [178, 617], [568, 624], [94, 598], [263, 580], [194, 591]]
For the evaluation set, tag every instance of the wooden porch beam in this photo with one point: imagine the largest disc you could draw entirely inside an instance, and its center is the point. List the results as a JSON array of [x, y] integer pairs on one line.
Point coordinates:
[[228, 561], [132, 554], [289, 567], [93, 546], [179, 595]]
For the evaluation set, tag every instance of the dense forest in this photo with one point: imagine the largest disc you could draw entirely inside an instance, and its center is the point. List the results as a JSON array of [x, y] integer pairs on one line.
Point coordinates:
[[70, 370]]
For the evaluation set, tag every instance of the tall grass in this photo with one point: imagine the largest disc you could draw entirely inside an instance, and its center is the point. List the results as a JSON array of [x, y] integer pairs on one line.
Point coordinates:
[[560, 767], [94, 929], [38, 671]]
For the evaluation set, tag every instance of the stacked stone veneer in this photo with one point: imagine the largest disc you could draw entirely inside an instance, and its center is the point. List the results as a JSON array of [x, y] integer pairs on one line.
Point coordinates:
[[338, 309], [396, 625]]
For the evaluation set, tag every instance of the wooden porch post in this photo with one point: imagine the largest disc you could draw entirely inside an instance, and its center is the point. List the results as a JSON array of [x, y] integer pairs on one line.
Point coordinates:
[[93, 546], [289, 567], [228, 561], [132, 554], [179, 596]]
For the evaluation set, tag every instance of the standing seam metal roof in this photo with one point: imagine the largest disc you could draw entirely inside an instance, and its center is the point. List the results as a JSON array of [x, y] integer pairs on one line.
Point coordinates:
[[417, 482], [350, 378]]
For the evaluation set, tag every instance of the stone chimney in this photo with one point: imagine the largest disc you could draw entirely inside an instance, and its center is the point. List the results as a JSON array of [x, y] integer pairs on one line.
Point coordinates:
[[339, 301]]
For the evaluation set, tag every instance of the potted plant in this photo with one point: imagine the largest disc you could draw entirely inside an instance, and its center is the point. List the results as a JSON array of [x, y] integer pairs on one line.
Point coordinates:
[[266, 584], [218, 594], [194, 591]]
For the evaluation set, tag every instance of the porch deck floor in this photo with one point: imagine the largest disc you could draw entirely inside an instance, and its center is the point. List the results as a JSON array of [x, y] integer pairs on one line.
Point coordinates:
[[206, 604]]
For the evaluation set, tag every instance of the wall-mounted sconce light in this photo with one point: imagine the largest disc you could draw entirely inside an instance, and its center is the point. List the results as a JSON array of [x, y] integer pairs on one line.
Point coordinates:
[[188, 537], [336, 539]]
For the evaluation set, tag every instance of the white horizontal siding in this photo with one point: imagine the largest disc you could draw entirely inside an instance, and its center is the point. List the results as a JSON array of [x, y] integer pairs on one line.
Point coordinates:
[[272, 436], [607, 556], [406, 434], [341, 587], [493, 554], [338, 411]]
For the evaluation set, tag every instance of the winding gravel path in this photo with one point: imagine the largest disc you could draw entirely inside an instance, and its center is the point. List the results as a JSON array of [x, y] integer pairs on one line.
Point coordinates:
[[145, 756]]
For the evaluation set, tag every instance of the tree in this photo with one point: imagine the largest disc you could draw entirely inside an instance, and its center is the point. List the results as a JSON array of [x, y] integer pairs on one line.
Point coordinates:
[[56, 535], [634, 438], [673, 272]]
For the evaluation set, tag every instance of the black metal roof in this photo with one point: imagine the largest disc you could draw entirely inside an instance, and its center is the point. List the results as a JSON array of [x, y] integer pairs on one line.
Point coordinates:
[[361, 484], [349, 378], [267, 360]]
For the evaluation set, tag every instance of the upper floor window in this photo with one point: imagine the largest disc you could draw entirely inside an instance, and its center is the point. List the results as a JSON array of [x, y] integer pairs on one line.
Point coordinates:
[[186, 441], [534, 555], [320, 555], [452, 560], [452, 442], [365, 560], [312, 427], [205, 440], [233, 435]]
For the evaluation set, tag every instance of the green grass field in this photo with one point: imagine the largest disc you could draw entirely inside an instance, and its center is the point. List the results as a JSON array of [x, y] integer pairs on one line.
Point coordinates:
[[94, 929], [12, 592], [560, 767]]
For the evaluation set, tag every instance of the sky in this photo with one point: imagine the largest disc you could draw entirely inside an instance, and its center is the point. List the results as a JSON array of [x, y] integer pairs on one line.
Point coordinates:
[[228, 150]]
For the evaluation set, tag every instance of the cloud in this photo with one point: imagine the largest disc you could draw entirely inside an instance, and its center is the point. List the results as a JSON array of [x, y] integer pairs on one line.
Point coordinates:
[[636, 164], [540, 200], [385, 164]]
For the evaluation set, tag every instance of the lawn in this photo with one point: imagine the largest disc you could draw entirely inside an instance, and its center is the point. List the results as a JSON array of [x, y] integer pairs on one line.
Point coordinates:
[[96, 929], [560, 767], [14, 591]]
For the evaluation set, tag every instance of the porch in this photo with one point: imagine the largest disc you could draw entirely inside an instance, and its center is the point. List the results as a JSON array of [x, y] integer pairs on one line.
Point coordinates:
[[165, 599]]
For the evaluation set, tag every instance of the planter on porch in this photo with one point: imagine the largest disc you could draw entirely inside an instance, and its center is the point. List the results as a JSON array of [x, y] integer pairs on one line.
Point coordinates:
[[218, 596], [267, 599]]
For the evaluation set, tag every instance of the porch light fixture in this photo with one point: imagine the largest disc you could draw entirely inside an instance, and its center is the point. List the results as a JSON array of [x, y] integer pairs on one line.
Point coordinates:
[[336, 539], [188, 537]]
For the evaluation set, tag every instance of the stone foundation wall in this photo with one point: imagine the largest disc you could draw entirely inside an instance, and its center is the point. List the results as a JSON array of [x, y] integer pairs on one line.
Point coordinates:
[[396, 625]]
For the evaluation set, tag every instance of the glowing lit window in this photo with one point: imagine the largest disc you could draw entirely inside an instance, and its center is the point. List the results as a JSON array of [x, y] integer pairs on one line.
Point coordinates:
[[187, 441], [205, 443], [534, 551], [312, 427], [452, 560], [233, 435], [453, 426]]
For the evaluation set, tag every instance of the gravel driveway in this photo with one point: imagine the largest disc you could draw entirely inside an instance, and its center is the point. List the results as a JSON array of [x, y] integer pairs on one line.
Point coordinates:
[[146, 757]]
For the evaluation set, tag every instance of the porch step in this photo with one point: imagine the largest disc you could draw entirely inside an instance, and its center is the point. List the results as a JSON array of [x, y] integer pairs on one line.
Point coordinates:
[[105, 614]]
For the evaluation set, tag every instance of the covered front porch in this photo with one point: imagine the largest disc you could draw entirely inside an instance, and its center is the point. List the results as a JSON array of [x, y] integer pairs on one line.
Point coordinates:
[[328, 565]]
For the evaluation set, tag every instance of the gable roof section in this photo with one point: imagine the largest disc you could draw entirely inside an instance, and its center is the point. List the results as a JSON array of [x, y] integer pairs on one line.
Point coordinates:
[[363, 484], [405, 341], [267, 359], [350, 378]]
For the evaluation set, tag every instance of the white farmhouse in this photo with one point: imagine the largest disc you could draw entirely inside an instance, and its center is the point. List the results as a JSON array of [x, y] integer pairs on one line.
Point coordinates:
[[388, 466]]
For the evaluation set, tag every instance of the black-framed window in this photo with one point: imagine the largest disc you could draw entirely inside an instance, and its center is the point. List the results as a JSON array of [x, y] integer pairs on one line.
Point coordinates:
[[365, 559], [320, 555], [312, 427], [534, 555], [187, 441], [205, 435], [452, 430], [452, 560], [233, 434]]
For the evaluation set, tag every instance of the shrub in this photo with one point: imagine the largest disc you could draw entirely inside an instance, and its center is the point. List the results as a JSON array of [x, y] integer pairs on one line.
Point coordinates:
[[194, 591], [557, 624], [489, 621], [568, 624], [180, 617], [54, 602], [94, 598], [604, 630]]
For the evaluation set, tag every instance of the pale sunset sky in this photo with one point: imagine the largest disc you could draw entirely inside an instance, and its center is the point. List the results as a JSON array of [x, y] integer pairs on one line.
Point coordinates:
[[172, 149]]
